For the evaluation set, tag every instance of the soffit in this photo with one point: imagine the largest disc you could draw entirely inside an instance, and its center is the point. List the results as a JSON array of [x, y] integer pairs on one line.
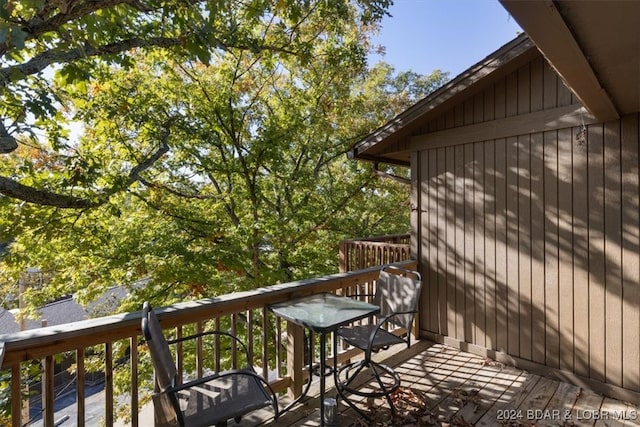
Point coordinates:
[[609, 35], [593, 45]]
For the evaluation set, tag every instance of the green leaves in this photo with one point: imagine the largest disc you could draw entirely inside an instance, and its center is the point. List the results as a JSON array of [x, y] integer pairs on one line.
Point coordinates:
[[71, 74], [250, 113]]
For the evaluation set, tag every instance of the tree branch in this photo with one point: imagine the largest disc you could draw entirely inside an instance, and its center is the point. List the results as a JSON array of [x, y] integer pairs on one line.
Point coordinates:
[[16, 190], [42, 23], [39, 62]]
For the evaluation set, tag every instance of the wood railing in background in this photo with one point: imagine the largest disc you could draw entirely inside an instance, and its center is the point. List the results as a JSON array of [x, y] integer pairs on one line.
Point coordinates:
[[357, 254], [277, 354]]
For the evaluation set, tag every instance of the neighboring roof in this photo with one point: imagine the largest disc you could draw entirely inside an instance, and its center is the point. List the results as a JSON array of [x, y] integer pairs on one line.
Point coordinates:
[[593, 45], [66, 310], [8, 323], [107, 303], [498, 64]]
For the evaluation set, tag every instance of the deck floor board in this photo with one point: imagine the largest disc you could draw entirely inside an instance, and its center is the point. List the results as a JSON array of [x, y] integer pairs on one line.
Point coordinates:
[[461, 389]]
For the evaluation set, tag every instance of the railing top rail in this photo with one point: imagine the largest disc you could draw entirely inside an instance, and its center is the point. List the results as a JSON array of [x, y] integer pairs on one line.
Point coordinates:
[[386, 238], [38, 343], [373, 244]]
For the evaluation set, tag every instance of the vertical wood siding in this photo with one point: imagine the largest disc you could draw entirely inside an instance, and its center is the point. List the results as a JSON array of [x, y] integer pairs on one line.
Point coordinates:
[[531, 243]]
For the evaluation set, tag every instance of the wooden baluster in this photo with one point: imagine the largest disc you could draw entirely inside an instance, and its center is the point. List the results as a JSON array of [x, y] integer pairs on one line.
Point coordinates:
[[352, 257], [278, 348], [133, 351], [47, 391], [217, 349], [108, 384], [179, 355], [234, 347], [199, 358], [370, 290], [80, 382], [16, 395], [265, 340], [250, 339]]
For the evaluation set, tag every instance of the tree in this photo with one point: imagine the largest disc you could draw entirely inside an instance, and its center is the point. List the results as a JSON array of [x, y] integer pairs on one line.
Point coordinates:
[[255, 190], [77, 37], [210, 172], [207, 177]]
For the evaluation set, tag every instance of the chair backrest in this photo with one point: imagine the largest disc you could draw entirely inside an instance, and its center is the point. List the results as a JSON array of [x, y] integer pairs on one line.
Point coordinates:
[[163, 363], [167, 408], [398, 290]]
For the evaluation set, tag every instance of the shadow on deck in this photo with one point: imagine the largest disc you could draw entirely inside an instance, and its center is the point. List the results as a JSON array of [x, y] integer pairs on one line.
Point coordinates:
[[443, 386]]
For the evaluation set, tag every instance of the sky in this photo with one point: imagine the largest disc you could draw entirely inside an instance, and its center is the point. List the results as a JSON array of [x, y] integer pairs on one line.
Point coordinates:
[[450, 35]]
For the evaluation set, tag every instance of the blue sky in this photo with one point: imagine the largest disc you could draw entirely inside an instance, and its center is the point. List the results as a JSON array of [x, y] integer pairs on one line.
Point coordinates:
[[452, 35]]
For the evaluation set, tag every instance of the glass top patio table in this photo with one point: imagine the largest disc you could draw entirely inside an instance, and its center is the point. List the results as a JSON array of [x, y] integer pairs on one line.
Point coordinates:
[[324, 312]]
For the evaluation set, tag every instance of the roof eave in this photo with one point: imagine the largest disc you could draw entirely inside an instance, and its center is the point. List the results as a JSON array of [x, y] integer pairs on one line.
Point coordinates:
[[543, 22], [353, 154], [465, 81]]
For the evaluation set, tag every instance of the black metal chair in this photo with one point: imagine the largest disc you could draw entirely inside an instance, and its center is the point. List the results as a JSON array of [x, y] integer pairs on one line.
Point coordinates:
[[397, 294], [208, 401]]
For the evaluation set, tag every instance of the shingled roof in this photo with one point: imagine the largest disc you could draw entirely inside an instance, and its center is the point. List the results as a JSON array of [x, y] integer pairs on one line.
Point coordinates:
[[8, 323], [65, 310]]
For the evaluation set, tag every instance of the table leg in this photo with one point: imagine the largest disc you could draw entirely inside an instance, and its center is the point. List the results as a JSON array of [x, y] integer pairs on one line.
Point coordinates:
[[335, 361], [336, 377]]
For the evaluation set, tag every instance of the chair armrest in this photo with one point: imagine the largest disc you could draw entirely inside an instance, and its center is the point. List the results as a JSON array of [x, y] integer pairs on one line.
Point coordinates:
[[214, 333], [206, 333], [381, 321], [203, 380]]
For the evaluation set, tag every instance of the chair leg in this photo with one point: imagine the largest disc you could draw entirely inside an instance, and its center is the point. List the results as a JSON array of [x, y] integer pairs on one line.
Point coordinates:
[[353, 406], [353, 370], [353, 375], [387, 393], [343, 388]]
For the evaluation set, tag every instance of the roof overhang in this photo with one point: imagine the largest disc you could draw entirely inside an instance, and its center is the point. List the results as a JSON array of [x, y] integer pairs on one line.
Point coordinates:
[[387, 143], [593, 45]]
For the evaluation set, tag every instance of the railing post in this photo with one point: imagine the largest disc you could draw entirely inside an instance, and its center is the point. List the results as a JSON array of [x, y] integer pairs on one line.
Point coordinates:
[[295, 359], [342, 267]]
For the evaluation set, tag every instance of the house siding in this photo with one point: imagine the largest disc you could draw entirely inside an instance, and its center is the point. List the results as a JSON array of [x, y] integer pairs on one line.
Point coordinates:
[[530, 243]]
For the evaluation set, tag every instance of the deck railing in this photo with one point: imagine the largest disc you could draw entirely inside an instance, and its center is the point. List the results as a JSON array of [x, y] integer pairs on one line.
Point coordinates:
[[278, 352], [357, 254]]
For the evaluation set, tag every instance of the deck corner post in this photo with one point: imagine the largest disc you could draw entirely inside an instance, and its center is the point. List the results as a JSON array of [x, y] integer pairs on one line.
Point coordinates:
[[295, 358], [343, 266]]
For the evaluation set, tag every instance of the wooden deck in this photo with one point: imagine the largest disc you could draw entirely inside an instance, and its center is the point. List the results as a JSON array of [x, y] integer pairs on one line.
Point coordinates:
[[447, 387]]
